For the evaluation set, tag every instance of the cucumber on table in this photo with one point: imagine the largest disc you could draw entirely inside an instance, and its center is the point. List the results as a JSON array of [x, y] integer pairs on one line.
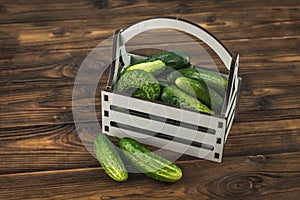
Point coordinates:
[[177, 97], [139, 83], [213, 80], [200, 90], [151, 164], [109, 158]]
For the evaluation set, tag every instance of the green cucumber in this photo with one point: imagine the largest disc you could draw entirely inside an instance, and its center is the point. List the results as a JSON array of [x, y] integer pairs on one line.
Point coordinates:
[[153, 67], [200, 90], [139, 83], [177, 97], [149, 163], [212, 80], [109, 158], [175, 59]]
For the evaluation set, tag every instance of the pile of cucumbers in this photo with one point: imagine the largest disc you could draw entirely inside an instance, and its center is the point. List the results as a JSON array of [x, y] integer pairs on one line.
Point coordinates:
[[171, 78]]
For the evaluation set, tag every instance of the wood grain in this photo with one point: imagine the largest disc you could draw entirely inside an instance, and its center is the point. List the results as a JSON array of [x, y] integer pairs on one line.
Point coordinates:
[[242, 177], [42, 45], [49, 147]]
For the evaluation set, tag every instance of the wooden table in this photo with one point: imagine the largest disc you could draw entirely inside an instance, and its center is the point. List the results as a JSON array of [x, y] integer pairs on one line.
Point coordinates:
[[42, 45]]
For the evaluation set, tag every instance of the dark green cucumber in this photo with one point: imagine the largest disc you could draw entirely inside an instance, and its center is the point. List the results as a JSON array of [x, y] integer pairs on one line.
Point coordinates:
[[153, 67], [109, 158], [200, 90], [174, 59], [149, 163], [177, 97], [139, 83], [212, 80]]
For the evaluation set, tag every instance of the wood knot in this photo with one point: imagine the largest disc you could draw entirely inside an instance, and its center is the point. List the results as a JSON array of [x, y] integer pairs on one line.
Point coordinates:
[[100, 4], [211, 18], [2, 9], [105, 198], [257, 159], [59, 32], [239, 185], [263, 102]]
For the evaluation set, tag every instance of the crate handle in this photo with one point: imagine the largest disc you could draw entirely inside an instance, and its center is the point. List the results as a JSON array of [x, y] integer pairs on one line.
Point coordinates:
[[233, 84], [181, 25], [115, 61]]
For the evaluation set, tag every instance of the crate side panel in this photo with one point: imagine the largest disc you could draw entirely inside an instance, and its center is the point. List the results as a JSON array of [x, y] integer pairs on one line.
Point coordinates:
[[168, 145], [162, 127], [105, 109], [165, 111]]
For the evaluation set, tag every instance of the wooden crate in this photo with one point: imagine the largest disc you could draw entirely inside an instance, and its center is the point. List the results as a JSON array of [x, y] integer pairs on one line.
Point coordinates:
[[165, 126]]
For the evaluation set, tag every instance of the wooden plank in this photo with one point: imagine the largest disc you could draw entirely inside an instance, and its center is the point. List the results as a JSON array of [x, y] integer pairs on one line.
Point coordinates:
[[42, 148], [57, 12], [255, 47], [88, 28], [59, 147], [47, 110], [64, 66], [222, 25], [252, 138], [241, 177], [36, 102], [61, 115]]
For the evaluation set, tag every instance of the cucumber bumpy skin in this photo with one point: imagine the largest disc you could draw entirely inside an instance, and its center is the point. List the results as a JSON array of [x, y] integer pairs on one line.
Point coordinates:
[[200, 90], [213, 80], [177, 97], [154, 67], [109, 158], [149, 163], [139, 83]]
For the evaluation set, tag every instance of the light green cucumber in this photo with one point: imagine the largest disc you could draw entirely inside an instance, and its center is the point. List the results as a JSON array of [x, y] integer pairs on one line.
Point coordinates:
[[200, 90], [211, 79], [153, 67], [149, 163], [109, 158], [175, 96]]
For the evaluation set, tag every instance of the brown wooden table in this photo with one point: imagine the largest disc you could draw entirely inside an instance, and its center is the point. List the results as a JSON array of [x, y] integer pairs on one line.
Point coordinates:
[[43, 43]]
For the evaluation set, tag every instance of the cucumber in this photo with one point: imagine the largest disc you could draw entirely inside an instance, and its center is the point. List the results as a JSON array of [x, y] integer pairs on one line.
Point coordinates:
[[149, 163], [109, 158], [212, 80], [174, 59], [200, 90], [153, 67], [177, 97], [139, 83]]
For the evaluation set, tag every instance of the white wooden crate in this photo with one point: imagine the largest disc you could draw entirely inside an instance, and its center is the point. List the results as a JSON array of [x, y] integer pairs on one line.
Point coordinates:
[[165, 126]]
